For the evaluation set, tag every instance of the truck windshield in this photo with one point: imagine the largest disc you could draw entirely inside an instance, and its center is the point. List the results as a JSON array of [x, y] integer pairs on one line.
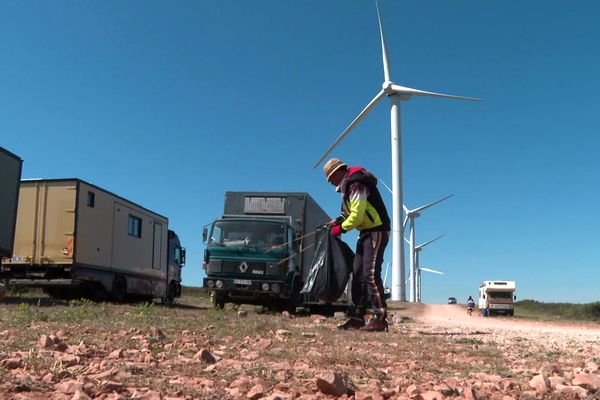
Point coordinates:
[[248, 233], [500, 295]]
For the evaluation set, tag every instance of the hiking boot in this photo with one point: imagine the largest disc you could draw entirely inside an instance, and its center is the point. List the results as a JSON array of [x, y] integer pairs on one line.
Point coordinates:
[[376, 325], [352, 323]]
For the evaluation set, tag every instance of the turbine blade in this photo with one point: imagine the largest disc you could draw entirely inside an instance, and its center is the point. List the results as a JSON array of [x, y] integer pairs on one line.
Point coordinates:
[[406, 210], [416, 92], [419, 247], [386, 186], [431, 204], [384, 51], [431, 270], [405, 220], [360, 117], [406, 240]]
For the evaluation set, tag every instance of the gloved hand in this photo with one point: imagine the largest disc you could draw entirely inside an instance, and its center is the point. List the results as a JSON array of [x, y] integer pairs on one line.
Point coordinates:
[[337, 230]]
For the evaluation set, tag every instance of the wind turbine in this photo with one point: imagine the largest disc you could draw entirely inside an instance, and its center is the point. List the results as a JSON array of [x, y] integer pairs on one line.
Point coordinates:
[[411, 215], [415, 278], [419, 279], [396, 93]]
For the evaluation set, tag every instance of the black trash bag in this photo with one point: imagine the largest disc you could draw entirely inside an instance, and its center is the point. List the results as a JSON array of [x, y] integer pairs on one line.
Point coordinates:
[[330, 268]]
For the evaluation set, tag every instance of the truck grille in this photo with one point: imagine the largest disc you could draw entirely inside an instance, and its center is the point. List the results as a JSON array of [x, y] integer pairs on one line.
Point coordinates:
[[244, 267]]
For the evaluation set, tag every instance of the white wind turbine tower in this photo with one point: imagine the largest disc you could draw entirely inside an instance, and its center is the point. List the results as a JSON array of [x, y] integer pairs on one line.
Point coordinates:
[[418, 269], [396, 93], [411, 215]]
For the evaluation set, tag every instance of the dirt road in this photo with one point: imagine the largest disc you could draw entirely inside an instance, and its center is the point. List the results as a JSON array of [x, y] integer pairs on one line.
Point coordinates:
[[455, 316]]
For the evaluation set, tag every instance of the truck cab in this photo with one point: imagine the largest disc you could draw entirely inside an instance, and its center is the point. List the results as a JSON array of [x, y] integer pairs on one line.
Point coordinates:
[[251, 260], [260, 250], [176, 261], [496, 297]]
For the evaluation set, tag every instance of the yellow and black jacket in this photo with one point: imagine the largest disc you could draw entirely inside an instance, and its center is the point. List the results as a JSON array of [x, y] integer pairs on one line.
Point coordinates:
[[362, 205]]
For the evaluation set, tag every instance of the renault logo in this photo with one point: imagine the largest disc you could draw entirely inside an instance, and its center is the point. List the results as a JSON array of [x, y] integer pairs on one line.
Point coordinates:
[[243, 266]]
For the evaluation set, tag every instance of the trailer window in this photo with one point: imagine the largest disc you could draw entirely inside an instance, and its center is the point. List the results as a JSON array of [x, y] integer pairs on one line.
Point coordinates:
[[135, 226], [91, 199]]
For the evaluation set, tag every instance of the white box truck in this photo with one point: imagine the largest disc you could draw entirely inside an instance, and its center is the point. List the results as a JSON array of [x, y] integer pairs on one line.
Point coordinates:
[[73, 235], [497, 297], [10, 176]]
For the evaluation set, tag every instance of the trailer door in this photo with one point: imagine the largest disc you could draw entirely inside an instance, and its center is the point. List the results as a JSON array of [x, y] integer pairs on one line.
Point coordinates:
[[157, 245]]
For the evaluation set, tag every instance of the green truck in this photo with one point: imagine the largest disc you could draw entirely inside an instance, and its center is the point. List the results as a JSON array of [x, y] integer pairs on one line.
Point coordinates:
[[259, 252]]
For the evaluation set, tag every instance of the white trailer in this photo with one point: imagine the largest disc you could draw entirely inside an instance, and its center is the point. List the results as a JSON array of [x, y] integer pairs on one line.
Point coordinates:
[[10, 176], [71, 235], [497, 297]]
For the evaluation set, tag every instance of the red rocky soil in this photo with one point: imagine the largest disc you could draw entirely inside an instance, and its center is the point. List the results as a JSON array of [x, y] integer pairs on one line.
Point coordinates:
[[83, 351]]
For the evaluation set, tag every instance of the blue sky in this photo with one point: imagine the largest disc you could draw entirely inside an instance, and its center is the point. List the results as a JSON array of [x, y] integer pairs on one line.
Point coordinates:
[[170, 104]]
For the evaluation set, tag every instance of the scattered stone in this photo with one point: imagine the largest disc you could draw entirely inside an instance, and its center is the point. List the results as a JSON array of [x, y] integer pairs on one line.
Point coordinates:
[[432, 395], [256, 392], [80, 395], [242, 314], [286, 314], [12, 363], [332, 383], [205, 356], [115, 354], [587, 381], [157, 333], [45, 342], [540, 383], [69, 387], [575, 391]]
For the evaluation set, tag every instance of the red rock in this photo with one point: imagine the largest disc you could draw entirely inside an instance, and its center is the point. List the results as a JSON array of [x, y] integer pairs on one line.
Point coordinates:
[[12, 363], [256, 392], [412, 389], [445, 389], [577, 391], [540, 383], [286, 314], [470, 393], [263, 344], [332, 383], [360, 395], [150, 395], [112, 386], [432, 395], [45, 342], [587, 381], [68, 387], [556, 380], [115, 354], [205, 356], [80, 395]]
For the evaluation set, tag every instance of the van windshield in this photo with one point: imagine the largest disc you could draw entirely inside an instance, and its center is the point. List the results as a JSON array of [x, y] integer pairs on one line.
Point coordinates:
[[248, 233]]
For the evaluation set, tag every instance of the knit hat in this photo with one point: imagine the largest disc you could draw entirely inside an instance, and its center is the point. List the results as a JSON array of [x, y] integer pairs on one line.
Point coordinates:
[[333, 165]]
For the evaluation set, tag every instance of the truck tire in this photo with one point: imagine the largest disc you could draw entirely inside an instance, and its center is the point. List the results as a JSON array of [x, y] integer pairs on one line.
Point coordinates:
[[169, 298], [119, 289], [217, 300]]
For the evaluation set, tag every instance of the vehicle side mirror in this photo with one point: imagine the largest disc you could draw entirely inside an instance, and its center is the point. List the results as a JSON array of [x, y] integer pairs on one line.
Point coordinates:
[[515, 297], [204, 234], [182, 256]]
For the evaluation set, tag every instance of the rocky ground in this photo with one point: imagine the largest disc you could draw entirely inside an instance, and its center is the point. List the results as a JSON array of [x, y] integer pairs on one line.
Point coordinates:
[[82, 350]]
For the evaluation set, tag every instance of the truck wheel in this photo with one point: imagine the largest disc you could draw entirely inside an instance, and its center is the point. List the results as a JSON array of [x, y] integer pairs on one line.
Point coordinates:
[[217, 300], [169, 298], [119, 289]]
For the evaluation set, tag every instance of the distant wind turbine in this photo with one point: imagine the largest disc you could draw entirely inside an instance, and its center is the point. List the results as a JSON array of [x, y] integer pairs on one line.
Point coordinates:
[[396, 93], [411, 215], [419, 279], [416, 278]]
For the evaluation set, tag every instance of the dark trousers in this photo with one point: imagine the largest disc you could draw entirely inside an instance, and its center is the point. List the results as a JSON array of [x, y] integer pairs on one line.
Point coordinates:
[[367, 286]]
